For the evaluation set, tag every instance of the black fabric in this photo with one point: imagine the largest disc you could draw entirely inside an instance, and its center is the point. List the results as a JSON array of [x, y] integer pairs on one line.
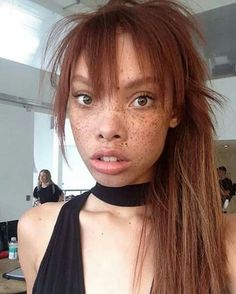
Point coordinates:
[[227, 185], [61, 269], [131, 195], [7, 230], [51, 193]]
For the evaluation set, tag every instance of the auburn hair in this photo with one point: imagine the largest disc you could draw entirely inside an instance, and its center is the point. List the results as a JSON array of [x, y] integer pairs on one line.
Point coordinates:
[[187, 222]]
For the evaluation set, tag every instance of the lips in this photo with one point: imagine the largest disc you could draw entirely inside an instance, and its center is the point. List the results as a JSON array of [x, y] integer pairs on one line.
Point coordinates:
[[109, 162]]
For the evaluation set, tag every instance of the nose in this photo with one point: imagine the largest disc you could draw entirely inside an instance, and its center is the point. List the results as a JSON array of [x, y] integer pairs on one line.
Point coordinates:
[[111, 126]]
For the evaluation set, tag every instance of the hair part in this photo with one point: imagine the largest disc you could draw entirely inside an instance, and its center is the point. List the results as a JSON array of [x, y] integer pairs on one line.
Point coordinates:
[[185, 200]]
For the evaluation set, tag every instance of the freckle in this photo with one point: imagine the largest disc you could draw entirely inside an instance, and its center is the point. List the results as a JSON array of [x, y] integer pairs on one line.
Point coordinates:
[[129, 223], [102, 233]]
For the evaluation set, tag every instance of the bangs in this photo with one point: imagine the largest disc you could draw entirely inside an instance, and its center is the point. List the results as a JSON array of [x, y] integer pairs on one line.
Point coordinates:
[[162, 33]]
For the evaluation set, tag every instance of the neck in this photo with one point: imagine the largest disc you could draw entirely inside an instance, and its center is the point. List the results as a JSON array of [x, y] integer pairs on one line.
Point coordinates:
[[126, 196]]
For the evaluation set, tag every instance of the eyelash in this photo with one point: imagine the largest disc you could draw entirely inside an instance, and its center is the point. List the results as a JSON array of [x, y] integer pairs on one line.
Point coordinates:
[[149, 99], [80, 96]]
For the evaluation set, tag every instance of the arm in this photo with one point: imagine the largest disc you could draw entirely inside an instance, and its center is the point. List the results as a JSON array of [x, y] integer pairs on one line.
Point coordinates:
[[35, 193], [61, 197], [59, 193], [36, 200], [27, 250]]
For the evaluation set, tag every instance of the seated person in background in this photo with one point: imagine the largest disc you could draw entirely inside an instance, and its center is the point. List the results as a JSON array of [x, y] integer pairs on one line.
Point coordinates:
[[226, 186], [47, 191]]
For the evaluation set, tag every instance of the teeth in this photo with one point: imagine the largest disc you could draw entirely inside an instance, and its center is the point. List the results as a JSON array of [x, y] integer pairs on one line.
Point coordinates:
[[109, 158]]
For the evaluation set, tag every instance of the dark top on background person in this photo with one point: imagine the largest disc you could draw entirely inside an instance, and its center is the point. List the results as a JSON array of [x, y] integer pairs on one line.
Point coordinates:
[[133, 84], [226, 185], [46, 190]]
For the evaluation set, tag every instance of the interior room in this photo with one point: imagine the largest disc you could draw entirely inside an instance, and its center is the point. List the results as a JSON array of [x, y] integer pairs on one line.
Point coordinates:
[[28, 140]]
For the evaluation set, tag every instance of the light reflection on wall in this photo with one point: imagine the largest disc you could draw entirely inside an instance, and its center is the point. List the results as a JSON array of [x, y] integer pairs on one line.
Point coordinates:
[[24, 27]]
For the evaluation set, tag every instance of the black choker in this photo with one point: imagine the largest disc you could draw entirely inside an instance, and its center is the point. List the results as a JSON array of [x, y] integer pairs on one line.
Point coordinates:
[[132, 195]]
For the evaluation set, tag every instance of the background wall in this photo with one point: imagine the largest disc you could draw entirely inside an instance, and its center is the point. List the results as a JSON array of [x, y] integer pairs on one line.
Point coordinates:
[[16, 160], [226, 116], [226, 126]]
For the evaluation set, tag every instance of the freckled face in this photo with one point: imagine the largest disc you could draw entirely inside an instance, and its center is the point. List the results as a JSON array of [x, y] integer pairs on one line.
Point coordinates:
[[120, 136]]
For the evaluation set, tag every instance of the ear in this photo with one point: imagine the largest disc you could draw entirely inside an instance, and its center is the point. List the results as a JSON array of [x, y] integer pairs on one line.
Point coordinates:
[[174, 120]]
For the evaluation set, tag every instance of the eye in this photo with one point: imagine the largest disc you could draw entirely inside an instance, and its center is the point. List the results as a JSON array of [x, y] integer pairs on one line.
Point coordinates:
[[84, 99], [143, 100]]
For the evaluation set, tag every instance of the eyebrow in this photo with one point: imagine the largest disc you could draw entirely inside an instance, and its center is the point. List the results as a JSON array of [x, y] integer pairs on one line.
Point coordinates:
[[81, 79], [129, 85], [139, 82]]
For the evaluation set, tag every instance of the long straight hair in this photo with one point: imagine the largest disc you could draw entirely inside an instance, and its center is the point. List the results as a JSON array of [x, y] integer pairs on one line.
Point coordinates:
[[187, 223], [48, 175]]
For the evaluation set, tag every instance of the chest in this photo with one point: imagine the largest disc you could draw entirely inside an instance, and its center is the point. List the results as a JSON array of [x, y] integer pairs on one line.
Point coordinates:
[[115, 260], [92, 254]]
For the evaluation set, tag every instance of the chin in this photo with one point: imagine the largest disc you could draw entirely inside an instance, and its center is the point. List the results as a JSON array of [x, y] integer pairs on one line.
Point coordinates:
[[116, 181], [112, 182]]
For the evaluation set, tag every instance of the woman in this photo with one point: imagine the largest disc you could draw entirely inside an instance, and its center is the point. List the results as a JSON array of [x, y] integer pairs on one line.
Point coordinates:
[[46, 190], [133, 84]]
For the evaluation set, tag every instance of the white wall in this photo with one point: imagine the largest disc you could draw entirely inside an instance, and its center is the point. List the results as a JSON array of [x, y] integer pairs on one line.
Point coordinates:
[[226, 117], [16, 160], [23, 81], [226, 124], [75, 175], [43, 144]]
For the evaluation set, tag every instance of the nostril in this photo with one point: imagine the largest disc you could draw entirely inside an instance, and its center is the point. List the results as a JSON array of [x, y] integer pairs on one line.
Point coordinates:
[[117, 136]]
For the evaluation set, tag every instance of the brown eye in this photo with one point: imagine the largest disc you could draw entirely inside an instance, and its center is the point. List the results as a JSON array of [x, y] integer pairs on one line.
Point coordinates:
[[84, 99], [142, 100]]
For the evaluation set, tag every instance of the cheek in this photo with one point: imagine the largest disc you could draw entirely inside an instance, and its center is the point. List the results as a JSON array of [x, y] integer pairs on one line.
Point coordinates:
[[149, 136], [80, 132]]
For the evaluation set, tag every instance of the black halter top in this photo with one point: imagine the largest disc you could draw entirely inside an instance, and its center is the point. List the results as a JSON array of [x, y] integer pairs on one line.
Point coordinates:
[[61, 269]]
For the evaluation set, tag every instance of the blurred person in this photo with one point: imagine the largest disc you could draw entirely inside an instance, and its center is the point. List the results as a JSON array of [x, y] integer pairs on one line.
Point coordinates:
[[226, 185], [46, 190]]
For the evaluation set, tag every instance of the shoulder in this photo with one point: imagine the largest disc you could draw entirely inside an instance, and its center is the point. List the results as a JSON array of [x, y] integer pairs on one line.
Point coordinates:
[[40, 215], [36, 188], [56, 186], [230, 227], [35, 228]]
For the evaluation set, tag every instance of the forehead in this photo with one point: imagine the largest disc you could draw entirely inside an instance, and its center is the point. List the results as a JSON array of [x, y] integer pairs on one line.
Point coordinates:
[[128, 64]]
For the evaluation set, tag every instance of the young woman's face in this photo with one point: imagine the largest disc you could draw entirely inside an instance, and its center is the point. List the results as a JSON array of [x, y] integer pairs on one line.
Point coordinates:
[[43, 177], [120, 136]]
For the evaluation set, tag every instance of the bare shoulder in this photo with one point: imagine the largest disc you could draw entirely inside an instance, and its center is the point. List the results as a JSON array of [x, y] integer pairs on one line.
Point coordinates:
[[230, 227], [230, 223], [35, 228]]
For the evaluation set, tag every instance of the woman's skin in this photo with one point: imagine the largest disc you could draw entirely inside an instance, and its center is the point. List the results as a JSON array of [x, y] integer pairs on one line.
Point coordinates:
[[119, 126], [131, 126], [43, 179]]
